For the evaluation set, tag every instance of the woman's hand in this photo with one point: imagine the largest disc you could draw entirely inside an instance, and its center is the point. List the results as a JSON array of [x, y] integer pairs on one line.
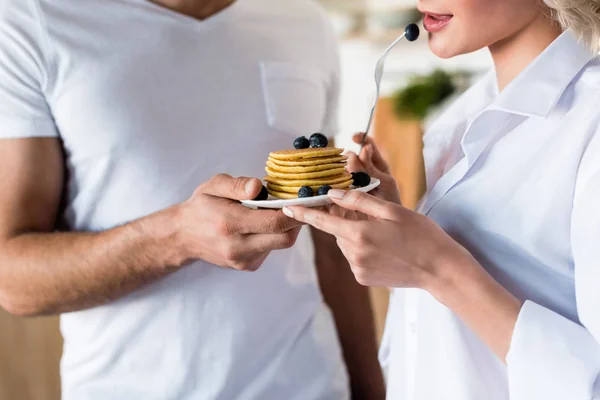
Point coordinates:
[[372, 162], [394, 247]]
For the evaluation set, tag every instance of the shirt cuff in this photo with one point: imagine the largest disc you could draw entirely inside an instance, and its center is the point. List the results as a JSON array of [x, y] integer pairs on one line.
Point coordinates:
[[551, 357]]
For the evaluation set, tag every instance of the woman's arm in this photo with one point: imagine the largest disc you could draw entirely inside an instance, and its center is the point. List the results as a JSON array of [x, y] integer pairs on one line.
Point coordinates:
[[564, 355], [548, 356], [397, 247]]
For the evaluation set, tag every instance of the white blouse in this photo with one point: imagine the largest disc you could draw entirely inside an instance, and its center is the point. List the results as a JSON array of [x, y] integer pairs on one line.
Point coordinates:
[[515, 178]]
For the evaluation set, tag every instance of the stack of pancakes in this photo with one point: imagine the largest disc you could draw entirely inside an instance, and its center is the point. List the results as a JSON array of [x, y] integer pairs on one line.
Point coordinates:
[[289, 170]]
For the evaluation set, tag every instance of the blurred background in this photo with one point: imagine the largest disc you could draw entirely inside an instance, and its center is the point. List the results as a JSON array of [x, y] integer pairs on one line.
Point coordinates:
[[416, 87]]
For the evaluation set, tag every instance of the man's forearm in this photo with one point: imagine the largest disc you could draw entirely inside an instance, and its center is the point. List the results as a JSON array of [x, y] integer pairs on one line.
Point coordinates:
[[47, 273], [351, 307]]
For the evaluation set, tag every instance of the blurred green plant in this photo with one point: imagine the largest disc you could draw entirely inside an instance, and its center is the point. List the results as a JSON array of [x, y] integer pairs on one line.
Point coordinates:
[[423, 93]]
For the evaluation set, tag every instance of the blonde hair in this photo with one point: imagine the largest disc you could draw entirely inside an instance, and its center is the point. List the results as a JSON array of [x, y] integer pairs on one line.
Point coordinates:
[[581, 16]]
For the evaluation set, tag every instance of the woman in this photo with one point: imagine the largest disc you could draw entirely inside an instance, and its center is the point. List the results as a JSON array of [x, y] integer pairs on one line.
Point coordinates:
[[504, 255]]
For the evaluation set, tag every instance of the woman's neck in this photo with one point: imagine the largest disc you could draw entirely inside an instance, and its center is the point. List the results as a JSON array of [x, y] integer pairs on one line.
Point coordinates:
[[199, 9], [513, 54]]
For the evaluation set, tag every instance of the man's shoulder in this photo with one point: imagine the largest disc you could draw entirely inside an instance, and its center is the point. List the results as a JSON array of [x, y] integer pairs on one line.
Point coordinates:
[[303, 23], [302, 11], [290, 7], [20, 24], [12, 10]]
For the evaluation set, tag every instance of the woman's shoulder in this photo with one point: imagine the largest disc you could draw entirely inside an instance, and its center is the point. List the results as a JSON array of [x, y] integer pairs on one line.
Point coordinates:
[[590, 74], [587, 84], [583, 101]]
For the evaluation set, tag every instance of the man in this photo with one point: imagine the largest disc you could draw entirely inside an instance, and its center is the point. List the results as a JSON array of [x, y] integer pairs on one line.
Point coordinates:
[[112, 113]]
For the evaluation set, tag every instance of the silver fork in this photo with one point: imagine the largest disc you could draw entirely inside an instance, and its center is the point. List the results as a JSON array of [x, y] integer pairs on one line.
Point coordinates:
[[411, 33]]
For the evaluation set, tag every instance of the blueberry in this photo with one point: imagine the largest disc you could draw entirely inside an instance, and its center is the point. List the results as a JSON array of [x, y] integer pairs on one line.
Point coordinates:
[[361, 179], [301, 143], [323, 190], [305, 191], [412, 32], [318, 140], [263, 195]]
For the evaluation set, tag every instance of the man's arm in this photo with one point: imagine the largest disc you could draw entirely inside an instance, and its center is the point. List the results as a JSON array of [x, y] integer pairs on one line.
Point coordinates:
[[351, 307], [45, 272]]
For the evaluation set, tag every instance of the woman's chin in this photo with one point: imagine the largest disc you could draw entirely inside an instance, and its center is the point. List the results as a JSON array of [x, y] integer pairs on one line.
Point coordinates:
[[441, 47], [446, 45], [445, 49]]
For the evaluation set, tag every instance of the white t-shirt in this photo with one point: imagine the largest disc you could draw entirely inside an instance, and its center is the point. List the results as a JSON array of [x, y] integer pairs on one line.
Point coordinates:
[[148, 104]]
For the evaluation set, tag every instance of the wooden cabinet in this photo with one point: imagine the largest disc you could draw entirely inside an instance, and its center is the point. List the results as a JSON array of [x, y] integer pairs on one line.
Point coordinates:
[[401, 142], [30, 351]]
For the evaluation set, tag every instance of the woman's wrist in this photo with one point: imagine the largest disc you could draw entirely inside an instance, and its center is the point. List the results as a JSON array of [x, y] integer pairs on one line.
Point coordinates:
[[449, 275], [459, 278], [484, 305]]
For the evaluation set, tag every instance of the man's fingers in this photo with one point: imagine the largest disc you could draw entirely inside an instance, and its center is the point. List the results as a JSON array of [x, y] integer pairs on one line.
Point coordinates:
[[323, 221], [228, 187], [248, 221], [272, 241], [364, 203], [255, 264], [248, 252]]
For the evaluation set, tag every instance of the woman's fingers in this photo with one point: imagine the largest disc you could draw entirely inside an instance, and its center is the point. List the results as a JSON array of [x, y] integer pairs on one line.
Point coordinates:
[[375, 157], [363, 163], [365, 203], [355, 164], [373, 153], [358, 137], [332, 224], [343, 212]]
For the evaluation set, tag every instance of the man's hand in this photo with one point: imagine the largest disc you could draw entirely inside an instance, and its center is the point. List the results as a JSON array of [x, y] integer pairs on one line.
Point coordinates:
[[218, 229], [43, 271]]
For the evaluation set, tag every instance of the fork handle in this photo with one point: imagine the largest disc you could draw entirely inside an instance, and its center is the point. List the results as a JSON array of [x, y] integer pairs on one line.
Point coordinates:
[[364, 139]]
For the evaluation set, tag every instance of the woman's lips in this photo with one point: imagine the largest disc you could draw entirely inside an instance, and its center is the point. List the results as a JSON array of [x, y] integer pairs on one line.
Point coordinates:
[[436, 22]]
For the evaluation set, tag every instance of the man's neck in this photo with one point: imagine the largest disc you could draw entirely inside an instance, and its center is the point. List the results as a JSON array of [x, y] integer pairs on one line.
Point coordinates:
[[199, 9], [512, 55]]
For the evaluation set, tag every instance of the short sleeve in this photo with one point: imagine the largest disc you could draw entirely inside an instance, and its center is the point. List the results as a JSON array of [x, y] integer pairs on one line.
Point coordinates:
[[24, 111]]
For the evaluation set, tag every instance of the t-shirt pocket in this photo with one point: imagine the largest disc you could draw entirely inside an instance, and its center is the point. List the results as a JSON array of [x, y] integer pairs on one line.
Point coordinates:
[[295, 97]]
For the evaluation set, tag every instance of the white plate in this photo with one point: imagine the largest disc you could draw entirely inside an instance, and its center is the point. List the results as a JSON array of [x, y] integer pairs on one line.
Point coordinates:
[[316, 201]]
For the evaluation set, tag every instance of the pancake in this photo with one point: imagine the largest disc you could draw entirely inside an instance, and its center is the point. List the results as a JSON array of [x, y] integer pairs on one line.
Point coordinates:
[[303, 169], [299, 154], [295, 189], [282, 195], [309, 182], [310, 161], [306, 175]]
